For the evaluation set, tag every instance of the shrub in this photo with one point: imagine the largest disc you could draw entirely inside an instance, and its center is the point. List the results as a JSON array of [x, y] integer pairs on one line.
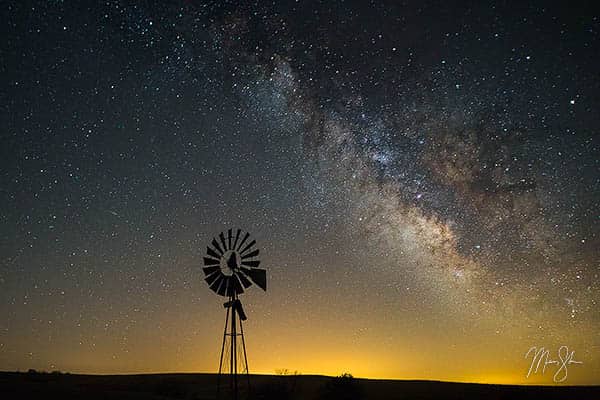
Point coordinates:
[[343, 387]]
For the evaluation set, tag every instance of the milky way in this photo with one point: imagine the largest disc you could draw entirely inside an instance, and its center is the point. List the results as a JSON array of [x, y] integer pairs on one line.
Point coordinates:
[[456, 196]]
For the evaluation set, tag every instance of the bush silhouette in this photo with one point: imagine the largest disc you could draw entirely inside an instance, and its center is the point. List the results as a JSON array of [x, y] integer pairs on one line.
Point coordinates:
[[343, 387]]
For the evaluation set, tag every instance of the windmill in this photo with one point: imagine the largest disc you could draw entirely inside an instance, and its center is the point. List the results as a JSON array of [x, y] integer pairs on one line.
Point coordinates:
[[230, 267]]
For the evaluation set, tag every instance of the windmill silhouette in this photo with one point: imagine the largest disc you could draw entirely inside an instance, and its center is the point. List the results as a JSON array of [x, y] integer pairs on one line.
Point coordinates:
[[230, 267]]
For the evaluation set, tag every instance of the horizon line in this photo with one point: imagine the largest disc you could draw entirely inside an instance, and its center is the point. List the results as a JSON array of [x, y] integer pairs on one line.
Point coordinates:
[[298, 374]]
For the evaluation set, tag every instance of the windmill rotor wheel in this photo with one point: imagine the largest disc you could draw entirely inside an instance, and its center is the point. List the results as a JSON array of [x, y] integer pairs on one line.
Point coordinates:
[[231, 264]]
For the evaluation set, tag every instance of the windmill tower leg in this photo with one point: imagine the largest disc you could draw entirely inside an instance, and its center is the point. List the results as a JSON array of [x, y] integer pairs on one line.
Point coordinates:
[[245, 358], [233, 360], [222, 351]]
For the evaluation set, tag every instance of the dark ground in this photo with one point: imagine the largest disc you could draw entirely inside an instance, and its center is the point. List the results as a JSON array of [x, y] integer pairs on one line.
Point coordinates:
[[15, 385]]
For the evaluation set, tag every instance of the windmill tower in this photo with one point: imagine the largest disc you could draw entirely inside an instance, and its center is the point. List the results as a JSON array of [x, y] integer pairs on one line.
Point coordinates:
[[230, 267]]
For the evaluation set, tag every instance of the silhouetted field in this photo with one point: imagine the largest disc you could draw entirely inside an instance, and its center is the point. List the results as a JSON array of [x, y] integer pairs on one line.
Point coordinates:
[[47, 386]]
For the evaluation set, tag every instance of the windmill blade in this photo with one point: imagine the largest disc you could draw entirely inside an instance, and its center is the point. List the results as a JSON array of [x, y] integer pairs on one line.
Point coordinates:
[[211, 252], [217, 282], [222, 237], [229, 238], [237, 286], [230, 287], [252, 243], [245, 281], [246, 271], [251, 254], [221, 284], [251, 264], [216, 246], [242, 277], [223, 288], [211, 261], [211, 270], [243, 240], [258, 276], [210, 279], [237, 237]]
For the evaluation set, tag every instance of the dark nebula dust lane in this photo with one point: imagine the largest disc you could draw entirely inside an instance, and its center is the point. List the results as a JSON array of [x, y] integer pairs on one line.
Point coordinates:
[[430, 169]]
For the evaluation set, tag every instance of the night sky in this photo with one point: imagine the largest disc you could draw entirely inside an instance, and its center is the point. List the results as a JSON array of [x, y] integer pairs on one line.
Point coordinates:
[[421, 179]]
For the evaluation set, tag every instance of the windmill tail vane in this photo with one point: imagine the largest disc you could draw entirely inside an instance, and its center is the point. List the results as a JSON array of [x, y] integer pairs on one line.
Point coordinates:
[[237, 307]]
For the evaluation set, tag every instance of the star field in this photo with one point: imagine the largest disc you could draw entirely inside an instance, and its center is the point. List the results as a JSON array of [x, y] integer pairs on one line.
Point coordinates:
[[421, 177]]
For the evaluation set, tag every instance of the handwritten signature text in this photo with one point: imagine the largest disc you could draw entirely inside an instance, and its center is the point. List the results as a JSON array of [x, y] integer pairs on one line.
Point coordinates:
[[541, 358]]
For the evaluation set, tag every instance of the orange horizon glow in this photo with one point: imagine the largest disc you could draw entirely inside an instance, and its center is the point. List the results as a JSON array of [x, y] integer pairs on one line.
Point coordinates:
[[366, 344]]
